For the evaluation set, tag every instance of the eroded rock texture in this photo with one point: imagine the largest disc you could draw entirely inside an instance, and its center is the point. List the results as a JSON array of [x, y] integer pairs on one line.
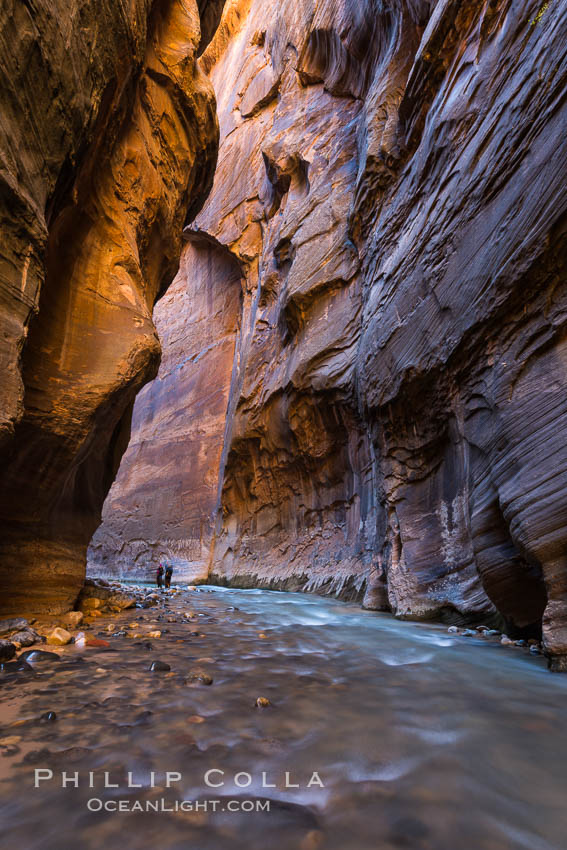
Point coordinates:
[[108, 142], [391, 183]]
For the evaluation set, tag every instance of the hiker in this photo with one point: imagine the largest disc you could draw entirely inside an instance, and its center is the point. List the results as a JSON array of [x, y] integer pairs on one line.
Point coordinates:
[[159, 576], [168, 574]]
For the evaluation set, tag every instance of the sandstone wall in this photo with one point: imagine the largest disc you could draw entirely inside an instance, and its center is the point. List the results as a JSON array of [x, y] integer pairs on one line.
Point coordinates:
[[390, 182], [162, 505], [108, 143]]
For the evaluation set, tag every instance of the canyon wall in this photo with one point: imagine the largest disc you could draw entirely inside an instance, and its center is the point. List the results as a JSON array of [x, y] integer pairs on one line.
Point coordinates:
[[390, 188], [108, 144]]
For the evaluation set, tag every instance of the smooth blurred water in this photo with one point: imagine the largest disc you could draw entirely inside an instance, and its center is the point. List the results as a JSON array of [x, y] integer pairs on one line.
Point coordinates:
[[422, 739]]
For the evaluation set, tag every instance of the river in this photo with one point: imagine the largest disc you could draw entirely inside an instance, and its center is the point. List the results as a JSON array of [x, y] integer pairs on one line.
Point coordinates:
[[398, 734]]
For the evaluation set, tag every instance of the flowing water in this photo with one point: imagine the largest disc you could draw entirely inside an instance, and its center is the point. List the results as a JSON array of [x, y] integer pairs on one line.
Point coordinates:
[[399, 735]]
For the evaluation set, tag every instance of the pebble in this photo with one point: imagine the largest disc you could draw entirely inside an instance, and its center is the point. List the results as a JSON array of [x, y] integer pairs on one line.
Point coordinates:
[[159, 667], [97, 642], [535, 650], [313, 840], [520, 643], [468, 633], [48, 717], [506, 641], [7, 650], [199, 676], [196, 718], [35, 655], [492, 632], [262, 702], [155, 634], [73, 618], [59, 637], [10, 741], [452, 629]]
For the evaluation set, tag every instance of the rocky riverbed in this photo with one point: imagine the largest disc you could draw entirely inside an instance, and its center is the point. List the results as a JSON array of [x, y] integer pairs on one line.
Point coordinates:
[[214, 718]]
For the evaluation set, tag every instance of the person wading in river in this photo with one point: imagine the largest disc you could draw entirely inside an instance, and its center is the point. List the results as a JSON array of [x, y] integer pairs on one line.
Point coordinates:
[[159, 576], [168, 574]]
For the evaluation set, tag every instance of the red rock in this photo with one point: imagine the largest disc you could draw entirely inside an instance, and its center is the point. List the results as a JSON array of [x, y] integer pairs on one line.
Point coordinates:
[[96, 642]]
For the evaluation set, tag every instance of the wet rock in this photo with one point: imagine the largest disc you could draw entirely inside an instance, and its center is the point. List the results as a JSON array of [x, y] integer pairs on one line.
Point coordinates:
[[492, 633], [73, 618], [506, 641], [48, 717], [59, 637], [262, 702], [314, 839], [27, 638], [7, 650], [520, 642], [121, 601], [154, 634], [97, 642], [159, 667], [10, 740], [199, 676], [535, 650], [468, 633], [18, 666], [90, 604], [453, 630], [14, 624], [35, 656]]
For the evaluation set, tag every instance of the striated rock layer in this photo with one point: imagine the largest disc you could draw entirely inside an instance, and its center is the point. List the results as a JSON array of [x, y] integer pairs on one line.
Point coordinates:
[[391, 186], [108, 143]]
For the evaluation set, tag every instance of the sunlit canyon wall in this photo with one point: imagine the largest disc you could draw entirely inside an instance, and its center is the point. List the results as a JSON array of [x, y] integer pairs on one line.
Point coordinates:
[[108, 144]]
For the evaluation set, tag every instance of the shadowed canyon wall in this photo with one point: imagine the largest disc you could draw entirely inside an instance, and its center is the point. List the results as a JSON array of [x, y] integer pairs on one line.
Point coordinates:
[[391, 185], [108, 144]]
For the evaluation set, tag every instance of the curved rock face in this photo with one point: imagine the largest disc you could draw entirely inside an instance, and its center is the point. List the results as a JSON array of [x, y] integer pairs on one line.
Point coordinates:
[[108, 148], [389, 182]]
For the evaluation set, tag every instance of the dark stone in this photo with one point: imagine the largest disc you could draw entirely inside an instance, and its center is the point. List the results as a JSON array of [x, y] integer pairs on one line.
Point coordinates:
[[48, 717], [18, 666], [36, 655], [7, 650], [160, 667]]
